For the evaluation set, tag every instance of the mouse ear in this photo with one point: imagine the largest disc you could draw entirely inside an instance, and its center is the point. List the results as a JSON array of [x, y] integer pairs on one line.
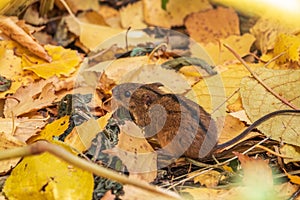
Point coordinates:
[[154, 87]]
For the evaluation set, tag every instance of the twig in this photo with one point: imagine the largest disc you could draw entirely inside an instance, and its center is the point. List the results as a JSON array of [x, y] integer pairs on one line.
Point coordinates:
[[43, 146], [259, 80], [271, 151]]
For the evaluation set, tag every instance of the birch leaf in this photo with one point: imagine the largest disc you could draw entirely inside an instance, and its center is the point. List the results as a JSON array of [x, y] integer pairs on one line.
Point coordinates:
[[258, 102]]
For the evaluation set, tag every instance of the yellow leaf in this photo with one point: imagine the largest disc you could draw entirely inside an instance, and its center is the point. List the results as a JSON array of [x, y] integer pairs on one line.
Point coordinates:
[[48, 177], [290, 45], [220, 54], [257, 102], [64, 62], [209, 179], [292, 152], [174, 14], [266, 30], [53, 129], [132, 16], [13, 71], [213, 91]]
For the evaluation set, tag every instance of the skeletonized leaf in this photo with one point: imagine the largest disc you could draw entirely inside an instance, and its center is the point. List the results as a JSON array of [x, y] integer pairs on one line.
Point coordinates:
[[258, 102]]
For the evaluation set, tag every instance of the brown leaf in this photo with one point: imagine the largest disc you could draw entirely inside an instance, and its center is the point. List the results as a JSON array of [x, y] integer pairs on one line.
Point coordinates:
[[10, 28], [31, 98], [212, 25]]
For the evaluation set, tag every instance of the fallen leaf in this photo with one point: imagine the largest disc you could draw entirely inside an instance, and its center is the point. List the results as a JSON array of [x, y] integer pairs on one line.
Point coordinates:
[[175, 13], [11, 29], [212, 25], [91, 35], [14, 71], [257, 177], [64, 62], [110, 15], [52, 130], [290, 46], [266, 30], [79, 5], [50, 178], [135, 152], [30, 98], [139, 70], [232, 128], [209, 179], [8, 142], [293, 178], [220, 54], [21, 128], [292, 152], [132, 16], [257, 102]]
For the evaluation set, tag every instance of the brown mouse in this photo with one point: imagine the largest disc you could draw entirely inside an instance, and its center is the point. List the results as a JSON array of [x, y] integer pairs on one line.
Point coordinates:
[[181, 125]]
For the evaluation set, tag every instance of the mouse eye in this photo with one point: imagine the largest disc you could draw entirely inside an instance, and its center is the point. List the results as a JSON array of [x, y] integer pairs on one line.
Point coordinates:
[[127, 94]]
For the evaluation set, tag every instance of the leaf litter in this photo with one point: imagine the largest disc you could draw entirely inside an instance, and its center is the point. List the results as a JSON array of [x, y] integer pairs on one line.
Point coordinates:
[[42, 75]]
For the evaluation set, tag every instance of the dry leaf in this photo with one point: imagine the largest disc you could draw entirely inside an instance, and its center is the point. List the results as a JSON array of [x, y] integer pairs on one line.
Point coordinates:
[[258, 102], [266, 30], [135, 152], [174, 14], [212, 25], [293, 178], [220, 54], [79, 138], [30, 98], [257, 177], [132, 16], [79, 5], [111, 16], [64, 62], [209, 179], [8, 142], [232, 128], [91, 35], [52, 130], [10, 28], [21, 128], [139, 70], [292, 152], [13, 71], [50, 178], [290, 46]]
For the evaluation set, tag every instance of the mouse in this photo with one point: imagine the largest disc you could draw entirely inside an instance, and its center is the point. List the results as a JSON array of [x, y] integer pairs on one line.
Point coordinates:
[[181, 126]]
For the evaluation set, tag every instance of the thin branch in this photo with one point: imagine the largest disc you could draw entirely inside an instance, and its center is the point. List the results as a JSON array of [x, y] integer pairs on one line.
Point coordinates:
[[259, 80], [43, 146]]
